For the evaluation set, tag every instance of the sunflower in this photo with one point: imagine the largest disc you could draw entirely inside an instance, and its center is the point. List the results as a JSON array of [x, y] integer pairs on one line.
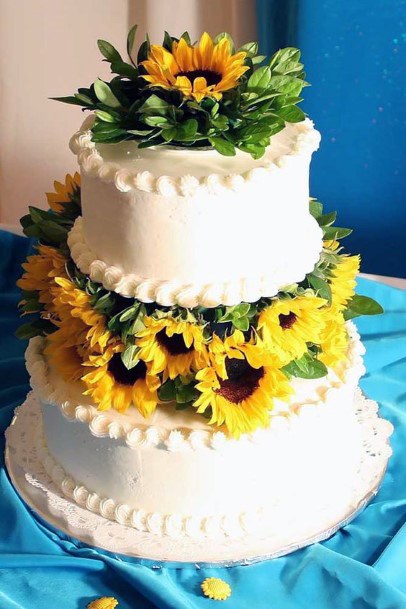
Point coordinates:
[[343, 282], [111, 385], [242, 400], [205, 70], [65, 352], [41, 270], [236, 347], [173, 347], [71, 304], [287, 325], [333, 339], [64, 193]]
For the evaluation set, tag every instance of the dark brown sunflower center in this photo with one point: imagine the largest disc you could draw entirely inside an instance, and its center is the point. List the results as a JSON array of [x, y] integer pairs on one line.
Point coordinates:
[[212, 78], [122, 375], [242, 380], [175, 345], [287, 321]]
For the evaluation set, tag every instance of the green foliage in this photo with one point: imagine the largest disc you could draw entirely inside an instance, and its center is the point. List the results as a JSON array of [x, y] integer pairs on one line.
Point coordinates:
[[49, 227], [362, 305], [246, 117], [37, 327], [307, 367], [240, 316], [325, 221], [180, 390], [129, 356]]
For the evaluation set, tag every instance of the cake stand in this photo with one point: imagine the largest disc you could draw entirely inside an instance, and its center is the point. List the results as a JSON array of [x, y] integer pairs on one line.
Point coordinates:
[[82, 526]]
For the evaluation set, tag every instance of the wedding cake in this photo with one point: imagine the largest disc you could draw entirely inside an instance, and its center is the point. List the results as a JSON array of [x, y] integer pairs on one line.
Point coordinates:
[[193, 361]]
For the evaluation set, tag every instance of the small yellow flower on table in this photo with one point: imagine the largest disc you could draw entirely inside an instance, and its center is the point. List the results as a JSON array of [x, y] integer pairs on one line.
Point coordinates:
[[216, 589], [104, 602]]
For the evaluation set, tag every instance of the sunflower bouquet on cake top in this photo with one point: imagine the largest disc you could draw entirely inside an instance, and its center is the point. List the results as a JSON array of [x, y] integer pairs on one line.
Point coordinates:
[[194, 95], [229, 364]]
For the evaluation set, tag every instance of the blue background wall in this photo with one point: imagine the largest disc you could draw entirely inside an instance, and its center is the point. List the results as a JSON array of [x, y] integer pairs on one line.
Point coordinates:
[[354, 58]]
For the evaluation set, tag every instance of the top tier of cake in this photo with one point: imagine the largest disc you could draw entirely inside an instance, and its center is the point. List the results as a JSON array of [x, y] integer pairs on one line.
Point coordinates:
[[193, 227]]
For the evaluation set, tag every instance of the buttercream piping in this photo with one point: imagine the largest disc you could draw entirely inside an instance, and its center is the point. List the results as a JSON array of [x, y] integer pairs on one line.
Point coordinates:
[[172, 525], [135, 436], [170, 292], [306, 141]]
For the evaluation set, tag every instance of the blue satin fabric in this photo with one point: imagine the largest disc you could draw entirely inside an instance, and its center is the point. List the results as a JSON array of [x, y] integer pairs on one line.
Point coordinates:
[[361, 567]]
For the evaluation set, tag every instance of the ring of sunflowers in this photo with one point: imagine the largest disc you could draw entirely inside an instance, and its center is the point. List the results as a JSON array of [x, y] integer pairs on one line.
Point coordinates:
[[226, 363]]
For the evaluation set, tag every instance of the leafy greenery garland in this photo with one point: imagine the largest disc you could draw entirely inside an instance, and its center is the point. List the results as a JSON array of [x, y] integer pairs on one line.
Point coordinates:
[[124, 316], [128, 108]]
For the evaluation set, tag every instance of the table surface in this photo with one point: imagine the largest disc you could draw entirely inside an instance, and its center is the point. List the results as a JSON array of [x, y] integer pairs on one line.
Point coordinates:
[[361, 567]]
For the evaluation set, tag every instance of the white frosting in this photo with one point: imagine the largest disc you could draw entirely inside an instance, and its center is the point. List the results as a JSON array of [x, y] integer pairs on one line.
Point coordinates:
[[191, 227], [168, 170]]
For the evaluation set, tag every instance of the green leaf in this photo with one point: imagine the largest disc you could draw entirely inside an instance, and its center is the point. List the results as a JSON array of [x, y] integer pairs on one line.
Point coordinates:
[[31, 305], [141, 132], [241, 309], [167, 391], [187, 130], [260, 80], [39, 215], [39, 327], [105, 94], [286, 54], [316, 208], [327, 219], [306, 368], [105, 116], [154, 105], [186, 393], [169, 134], [292, 114], [222, 146], [333, 233], [108, 51], [241, 323], [54, 232], [258, 59], [255, 150], [321, 286], [26, 220], [157, 121], [130, 313], [287, 84], [130, 41], [124, 69], [70, 99], [228, 37], [143, 51], [251, 48], [129, 356], [85, 99], [105, 303], [362, 305], [186, 37], [167, 42]]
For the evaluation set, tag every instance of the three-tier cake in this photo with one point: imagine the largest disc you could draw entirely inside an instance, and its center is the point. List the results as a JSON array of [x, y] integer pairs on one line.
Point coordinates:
[[194, 367]]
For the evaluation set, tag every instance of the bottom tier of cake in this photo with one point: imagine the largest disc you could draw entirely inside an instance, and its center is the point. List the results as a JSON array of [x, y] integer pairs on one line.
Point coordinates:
[[174, 476]]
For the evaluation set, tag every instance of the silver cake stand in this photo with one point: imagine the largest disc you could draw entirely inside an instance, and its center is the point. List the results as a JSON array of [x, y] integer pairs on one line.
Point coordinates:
[[81, 526]]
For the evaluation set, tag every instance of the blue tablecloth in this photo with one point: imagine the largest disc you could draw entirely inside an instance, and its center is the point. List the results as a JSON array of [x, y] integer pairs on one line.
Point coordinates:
[[362, 567]]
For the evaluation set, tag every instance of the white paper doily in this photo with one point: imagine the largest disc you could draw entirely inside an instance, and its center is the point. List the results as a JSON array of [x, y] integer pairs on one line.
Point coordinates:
[[37, 489]]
